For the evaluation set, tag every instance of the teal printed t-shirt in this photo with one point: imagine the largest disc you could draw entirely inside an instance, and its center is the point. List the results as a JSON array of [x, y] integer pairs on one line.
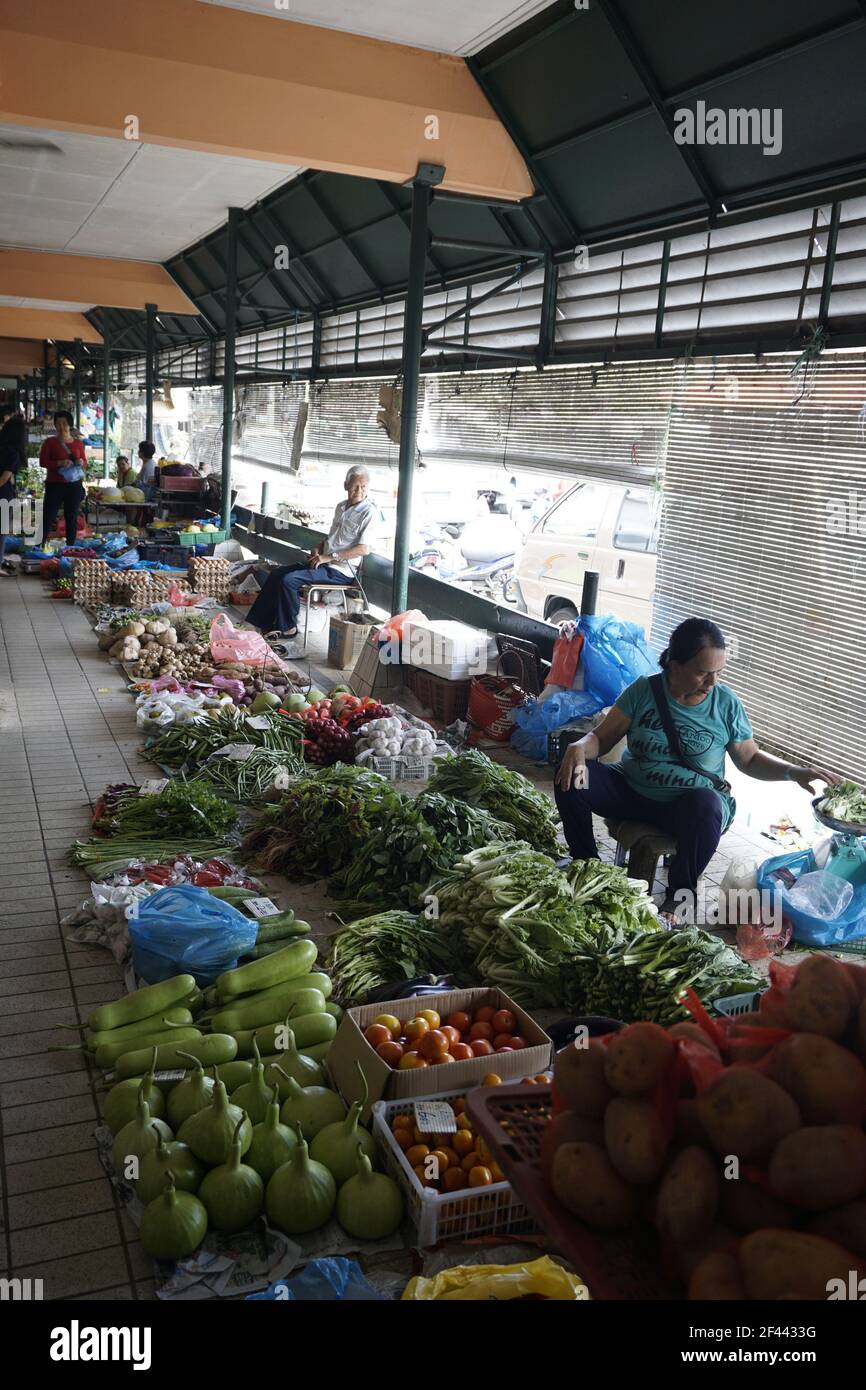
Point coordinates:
[[705, 730]]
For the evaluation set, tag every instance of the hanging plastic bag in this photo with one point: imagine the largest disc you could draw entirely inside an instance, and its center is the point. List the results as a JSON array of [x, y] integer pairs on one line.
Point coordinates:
[[395, 626], [614, 655], [183, 928], [228, 643], [566, 657]]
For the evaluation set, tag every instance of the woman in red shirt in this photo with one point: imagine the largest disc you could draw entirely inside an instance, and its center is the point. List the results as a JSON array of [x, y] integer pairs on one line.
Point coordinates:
[[62, 451]]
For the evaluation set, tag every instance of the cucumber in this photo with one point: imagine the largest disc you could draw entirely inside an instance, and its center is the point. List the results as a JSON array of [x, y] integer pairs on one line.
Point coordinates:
[[271, 1006], [259, 952], [295, 959], [306, 1001], [335, 1010], [230, 893], [216, 1048], [143, 1003], [157, 1024], [107, 1054], [272, 928]]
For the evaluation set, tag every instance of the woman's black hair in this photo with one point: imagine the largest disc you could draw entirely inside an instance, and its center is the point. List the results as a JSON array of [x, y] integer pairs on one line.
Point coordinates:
[[13, 435], [146, 449], [64, 415], [690, 638]]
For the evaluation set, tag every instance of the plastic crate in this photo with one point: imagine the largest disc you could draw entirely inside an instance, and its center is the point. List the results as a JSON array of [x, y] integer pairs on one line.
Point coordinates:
[[188, 538], [437, 1216], [400, 769], [446, 700], [735, 1004], [617, 1265], [177, 483]]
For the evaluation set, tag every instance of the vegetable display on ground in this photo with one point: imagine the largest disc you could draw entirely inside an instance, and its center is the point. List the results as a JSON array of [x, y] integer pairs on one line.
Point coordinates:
[[474, 778]]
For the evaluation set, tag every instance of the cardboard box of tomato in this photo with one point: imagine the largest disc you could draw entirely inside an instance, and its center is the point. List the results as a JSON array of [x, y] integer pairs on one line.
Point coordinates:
[[388, 1082]]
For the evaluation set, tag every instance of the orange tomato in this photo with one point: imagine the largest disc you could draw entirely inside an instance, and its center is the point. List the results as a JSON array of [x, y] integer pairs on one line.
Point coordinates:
[[470, 1161], [416, 1028], [481, 1048], [390, 1022], [517, 1043], [527, 1080], [496, 1172], [441, 1158], [461, 1052], [451, 1154], [482, 1150], [484, 1015], [451, 1034], [391, 1053], [462, 1143], [459, 1105], [460, 1021], [433, 1044], [410, 1060], [543, 1080], [454, 1179], [491, 1079], [503, 1021], [417, 1154], [443, 1057], [464, 1122], [405, 1138], [422, 1176], [500, 1050], [501, 1040], [479, 1029], [430, 1016], [480, 1177], [377, 1034]]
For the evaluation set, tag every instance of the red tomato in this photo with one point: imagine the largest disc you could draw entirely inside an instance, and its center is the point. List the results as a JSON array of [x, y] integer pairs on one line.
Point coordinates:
[[460, 1021], [462, 1052], [517, 1043], [481, 1048], [497, 1050], [433, 1044], [391, 1053], [503, 1021], [377, 1034], [484, 1015], [451, 1033], [480, 1029], [443, 1057], [501, 1040]]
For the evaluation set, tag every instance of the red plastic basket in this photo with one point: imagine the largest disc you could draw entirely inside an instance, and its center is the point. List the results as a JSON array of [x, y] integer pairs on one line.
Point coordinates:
[[622, 1265]]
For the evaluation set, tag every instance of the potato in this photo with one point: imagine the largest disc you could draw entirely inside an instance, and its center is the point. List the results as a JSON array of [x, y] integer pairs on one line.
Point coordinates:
[[688, 1257], [845, 1225], [578, 1074], [637, 1058], [688, 1128], [743, 1048], [690, 1032], [585, 1181], [568, 1128], [746, 1114], [819, 1167], [821, 999], [689, 1196], [826, 1080], [635, 1139], [857, 975], [745, 1207], [717, 1277], [790, 1264]]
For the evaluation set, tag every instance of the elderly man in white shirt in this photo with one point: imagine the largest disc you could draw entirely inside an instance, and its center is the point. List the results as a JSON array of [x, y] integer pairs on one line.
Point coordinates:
[[335, 561]]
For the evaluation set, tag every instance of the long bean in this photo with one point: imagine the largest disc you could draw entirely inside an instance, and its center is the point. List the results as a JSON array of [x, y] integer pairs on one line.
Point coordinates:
[[116, 849]]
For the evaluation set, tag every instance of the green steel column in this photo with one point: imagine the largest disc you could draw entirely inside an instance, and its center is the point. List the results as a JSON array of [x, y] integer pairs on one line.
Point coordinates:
[[45, 376], [106, 393], [229, 369], [59, 375], [413, 346], [78, 383], [149, 351]]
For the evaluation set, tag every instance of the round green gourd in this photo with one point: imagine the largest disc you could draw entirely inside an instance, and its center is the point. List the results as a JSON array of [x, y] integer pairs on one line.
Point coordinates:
[[173, 1225], [369, 1205], [175, 1158], [311, 1107], [233, 1193], [121, 1103], [254, 1096], [139, 1136], [272, 1143], [336, 1145], [210, 1132], [190, 1095], [301, 1194]]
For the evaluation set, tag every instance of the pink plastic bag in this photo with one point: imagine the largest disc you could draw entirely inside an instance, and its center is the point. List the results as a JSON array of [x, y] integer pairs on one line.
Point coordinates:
[[178, 599], [228, 643]]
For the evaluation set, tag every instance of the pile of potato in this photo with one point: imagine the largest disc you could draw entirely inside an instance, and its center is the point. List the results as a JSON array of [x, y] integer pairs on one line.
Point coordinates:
[[748, 1152]]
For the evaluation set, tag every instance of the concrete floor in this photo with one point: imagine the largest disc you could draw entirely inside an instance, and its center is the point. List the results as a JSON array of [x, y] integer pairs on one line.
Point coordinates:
[[67, 728]]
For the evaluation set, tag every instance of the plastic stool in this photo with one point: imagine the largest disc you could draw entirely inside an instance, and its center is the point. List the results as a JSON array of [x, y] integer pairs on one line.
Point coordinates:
[[639, 847]]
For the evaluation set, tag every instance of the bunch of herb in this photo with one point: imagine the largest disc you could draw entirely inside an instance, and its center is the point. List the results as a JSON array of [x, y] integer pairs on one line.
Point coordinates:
[[181, 810], [508, 795], [381, 948]]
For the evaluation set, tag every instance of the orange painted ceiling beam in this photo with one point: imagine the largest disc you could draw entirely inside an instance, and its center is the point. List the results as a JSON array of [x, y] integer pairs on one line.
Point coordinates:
[[19, 358], [39, 324], [207, 78], [90, 280]]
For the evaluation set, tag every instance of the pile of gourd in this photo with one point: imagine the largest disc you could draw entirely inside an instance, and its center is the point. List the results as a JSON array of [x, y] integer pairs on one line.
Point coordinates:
[[217, 1151]]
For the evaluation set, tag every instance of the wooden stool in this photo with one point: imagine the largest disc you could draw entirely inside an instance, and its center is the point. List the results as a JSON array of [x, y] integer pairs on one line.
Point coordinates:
[[639, 847]]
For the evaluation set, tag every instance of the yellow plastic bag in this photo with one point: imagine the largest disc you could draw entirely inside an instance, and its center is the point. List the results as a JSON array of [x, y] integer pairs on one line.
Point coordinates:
[[540, 1278]]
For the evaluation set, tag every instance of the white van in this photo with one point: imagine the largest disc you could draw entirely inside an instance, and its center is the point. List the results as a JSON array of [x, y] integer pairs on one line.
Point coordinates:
[[601, 526]]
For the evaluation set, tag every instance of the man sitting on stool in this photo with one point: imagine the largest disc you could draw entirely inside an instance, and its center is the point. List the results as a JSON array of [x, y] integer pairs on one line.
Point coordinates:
[[275, 611]]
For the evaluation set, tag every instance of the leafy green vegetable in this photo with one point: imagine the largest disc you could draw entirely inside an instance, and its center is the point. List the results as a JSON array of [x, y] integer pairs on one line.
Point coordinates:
[[508, 795], [376, 950], [180, 809], [846, 802]]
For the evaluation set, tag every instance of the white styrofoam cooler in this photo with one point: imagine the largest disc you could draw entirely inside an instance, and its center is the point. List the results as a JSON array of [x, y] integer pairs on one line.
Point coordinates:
[[449, 649]]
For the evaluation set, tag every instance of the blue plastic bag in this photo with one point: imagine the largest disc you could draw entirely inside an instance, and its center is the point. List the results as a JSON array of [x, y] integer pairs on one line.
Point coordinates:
[[333, 1280], [186, 929], [850, 925], [538, 718]]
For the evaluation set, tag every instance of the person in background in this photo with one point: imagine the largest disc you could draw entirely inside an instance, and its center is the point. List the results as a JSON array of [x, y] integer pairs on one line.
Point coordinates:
[[65, 464], [684, 794], [146, 478], [125, 471], [13, 460], [334, 561]]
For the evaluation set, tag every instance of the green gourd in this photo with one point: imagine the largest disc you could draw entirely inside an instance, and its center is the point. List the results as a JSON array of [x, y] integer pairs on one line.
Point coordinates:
[[210, 1132], [233, 1193], [289, 1061], [190, 1095], [301, 1194], [121, 1103], [272, 1143], [173, 1224], [254, 1096], [369, 1205], [234, 1074], [336, 1146], [139, 1136], [175, 1158], [311, 1107]]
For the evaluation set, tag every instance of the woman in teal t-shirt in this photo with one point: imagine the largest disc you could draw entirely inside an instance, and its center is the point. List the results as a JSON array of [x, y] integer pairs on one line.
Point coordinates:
[[650, 783]]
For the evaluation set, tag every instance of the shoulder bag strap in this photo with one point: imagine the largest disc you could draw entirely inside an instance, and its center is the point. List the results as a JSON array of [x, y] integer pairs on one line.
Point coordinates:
[[656, 685]]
